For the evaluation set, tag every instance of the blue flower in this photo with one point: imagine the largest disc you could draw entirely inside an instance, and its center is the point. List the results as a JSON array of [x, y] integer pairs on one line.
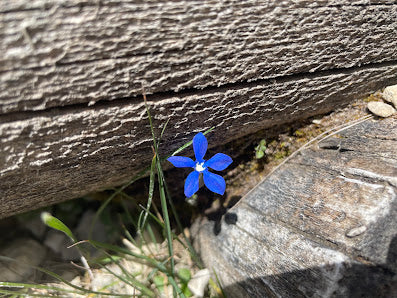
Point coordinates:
[[218, 162]]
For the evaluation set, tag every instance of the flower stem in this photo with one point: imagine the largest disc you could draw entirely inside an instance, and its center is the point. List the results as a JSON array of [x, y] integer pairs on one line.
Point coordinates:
[[163, 200]]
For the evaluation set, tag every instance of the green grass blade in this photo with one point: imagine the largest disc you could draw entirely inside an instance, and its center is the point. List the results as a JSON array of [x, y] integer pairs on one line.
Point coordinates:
[[188, 144], [150, 122], [38, 286], [178, 222], [163, 130], [59, 278], [152, 236], [129, 236], [151, 190], [166, 218], [131, 280], [125, 251], [178, 290], [56, 224], [162, 194], [140, 219], [56, 276], [106, 260], [131, 239], [11, 294], [161, 224], [173, 209], [218, 284], [128, 214], [119, 190]]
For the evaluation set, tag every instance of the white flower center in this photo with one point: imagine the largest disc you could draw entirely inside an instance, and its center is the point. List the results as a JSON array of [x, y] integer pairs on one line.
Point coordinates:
[[200, 167]]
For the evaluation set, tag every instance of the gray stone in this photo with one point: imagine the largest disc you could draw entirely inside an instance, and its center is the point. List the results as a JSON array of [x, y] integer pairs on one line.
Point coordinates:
[[59, 243], [99, 230], [36, 226], [321, 225], [26, 253], [381, 109]]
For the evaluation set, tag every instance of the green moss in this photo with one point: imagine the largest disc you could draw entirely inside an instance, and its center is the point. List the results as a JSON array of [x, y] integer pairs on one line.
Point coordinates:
[[372, 97], [281, 154], [299, 133]]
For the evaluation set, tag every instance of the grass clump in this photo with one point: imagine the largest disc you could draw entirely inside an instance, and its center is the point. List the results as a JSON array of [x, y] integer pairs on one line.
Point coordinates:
[[143, 266]]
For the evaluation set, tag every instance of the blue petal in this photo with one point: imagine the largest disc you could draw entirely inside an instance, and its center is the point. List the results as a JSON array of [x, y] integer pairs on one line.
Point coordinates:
[[200, 145], [182, 162], [219, 162], [192, 184], [214, 182]]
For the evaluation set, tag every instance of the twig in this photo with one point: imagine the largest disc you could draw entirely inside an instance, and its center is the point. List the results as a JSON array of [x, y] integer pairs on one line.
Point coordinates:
[[83, 260]]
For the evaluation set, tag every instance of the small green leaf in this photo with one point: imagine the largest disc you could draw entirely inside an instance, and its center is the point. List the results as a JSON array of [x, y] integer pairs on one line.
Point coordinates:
[[259, 154], [186, 290], [159, 282], [108, 260], [56, 224], [262, 143], [184, 275]]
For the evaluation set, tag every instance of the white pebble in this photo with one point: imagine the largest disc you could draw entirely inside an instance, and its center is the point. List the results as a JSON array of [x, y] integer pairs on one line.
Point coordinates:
[[316, 121], [356, 231], [199, 282], [381, 109], [390, 94]]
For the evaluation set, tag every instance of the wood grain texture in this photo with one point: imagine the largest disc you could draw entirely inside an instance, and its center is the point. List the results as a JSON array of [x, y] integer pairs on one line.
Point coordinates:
[[72, 120], [322, 225], [59, 53], [64, 153]]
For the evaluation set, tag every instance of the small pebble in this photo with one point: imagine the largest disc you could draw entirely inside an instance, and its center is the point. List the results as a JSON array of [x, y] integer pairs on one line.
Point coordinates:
[[199, 282], [231, 218], [316, 121], [390, 94], [356, 231], [381, 109]]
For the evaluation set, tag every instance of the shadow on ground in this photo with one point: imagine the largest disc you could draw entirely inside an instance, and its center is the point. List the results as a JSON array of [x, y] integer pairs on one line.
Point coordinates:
[[358, 281]]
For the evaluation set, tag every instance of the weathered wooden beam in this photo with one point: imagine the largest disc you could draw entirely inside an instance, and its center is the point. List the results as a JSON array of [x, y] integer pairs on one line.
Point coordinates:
[[71, 117], [58, 53], [59, 154], [322, 225]]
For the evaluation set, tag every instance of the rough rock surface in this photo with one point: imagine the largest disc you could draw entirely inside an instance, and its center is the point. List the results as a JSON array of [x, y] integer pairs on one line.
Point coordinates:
[[322, 225], [25, 253]]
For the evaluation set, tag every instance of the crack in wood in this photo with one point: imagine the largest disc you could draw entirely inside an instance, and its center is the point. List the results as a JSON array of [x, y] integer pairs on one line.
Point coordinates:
[[224, 48], [159, 96]]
